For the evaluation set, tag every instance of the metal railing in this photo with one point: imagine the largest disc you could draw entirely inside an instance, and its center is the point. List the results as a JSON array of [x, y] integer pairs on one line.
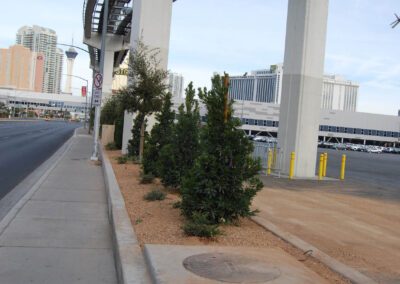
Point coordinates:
[[263, 150]]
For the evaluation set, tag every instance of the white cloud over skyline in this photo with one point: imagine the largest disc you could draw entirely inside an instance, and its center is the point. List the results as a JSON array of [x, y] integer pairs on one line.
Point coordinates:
[[238, 36]]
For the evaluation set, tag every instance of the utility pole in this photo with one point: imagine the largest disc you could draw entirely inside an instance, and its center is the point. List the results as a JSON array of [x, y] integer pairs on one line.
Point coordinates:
[[95, 154]]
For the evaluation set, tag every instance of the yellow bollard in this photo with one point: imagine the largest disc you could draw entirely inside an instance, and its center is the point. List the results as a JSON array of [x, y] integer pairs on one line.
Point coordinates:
[[325, 162], [291, 165], [321, 166], [274, 160], [343, 167], [269, 162]]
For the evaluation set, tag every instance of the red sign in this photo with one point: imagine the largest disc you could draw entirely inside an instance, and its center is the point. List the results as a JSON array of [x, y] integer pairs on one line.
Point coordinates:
[[98, 81], [83, 91]]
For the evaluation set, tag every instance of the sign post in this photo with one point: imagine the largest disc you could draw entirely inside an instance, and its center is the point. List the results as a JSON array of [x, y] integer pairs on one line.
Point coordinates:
[[96, 101], [98, 82]]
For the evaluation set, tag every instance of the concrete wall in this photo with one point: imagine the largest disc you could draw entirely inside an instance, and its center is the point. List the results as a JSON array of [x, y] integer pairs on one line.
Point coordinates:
[[107, 134]]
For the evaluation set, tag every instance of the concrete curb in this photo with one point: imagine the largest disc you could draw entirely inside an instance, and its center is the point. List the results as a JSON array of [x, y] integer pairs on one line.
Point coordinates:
[[25, 198], [129, 261], [346, 271]]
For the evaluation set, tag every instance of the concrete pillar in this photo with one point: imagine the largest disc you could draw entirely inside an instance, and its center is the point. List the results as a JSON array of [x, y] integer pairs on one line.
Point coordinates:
[[108, 71], [302, 84], [151, 24]]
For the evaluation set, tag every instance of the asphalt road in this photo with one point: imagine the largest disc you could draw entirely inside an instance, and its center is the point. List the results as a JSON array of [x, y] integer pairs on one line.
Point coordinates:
[[379, 174], [24, 145]]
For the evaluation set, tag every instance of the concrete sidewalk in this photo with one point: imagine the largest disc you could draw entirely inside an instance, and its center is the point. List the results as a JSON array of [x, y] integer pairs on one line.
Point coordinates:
[[61, 234]]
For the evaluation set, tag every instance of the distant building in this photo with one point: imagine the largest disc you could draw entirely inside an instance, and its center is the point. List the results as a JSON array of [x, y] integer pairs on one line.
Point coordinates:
[[71, 55], [334, 125], [21, 69], [176, 86], [265, 86], [339, 93], [261, 86], [44, 40], [59, 69], [120, 79], [42, 102]]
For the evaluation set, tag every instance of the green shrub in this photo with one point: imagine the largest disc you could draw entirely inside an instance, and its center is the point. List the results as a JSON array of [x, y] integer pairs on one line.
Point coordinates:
[[133, 159], [155, 194], [146, 178], [176, 204], [112, 113], [122, 159], [160, 135], [177, 157], [134, 143], [200, 226], [223, 180], [111, 146]]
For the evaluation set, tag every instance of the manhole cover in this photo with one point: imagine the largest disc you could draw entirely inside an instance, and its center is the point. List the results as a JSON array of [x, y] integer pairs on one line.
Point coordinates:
[[231, 268]]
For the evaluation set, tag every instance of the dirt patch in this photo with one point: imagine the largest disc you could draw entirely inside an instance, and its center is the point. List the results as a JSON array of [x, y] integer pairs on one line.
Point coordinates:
[[361, 232], [158, 222]]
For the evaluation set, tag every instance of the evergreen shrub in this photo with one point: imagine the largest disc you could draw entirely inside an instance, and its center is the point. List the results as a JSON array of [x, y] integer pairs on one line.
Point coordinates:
[[222, 182]]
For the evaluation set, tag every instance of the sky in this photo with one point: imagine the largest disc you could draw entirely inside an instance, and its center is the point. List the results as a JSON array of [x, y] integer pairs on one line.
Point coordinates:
[[238, 36]]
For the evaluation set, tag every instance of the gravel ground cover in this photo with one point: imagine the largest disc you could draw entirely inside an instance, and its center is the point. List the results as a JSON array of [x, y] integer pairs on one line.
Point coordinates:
[[157, 222]]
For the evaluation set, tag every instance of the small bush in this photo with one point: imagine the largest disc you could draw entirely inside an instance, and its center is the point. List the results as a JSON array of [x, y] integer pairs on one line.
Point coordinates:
[[177, 204], [122, 159], [146, 178], [134, 159], [199, 226], [155, 194], [138, 221], [111, 146]]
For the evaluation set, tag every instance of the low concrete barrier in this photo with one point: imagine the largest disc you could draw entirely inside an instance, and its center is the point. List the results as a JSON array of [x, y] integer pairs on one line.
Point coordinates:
[[130, 264], [346, 271]]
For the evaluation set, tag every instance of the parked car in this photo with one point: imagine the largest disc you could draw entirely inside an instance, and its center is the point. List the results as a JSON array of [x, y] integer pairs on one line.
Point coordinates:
[[260, 139], [339, 146], [374, 149]]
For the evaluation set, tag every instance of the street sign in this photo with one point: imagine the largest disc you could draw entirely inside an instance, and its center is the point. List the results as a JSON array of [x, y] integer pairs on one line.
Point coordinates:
[[98, 80], [83, 91], [97, 97]]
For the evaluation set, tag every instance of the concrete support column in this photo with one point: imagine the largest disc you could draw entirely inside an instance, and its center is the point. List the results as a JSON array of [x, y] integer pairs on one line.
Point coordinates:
[[151, 24], [302, 84], [107, 75]]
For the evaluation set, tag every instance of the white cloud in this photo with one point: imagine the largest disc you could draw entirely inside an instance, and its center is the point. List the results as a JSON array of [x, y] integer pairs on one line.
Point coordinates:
[[239, 36]]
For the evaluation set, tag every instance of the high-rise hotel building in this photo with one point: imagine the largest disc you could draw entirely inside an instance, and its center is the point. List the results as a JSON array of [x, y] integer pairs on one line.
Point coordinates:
[[44, 40], [176, 86], [266, 86], [21, 69]]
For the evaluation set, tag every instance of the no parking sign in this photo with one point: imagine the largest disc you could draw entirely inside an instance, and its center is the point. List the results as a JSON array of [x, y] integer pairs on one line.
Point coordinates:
[[98, 81]]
